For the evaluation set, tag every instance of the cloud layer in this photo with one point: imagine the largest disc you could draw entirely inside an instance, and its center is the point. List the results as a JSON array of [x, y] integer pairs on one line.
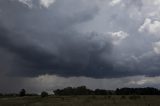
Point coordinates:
[[42, 42], [98, 39]]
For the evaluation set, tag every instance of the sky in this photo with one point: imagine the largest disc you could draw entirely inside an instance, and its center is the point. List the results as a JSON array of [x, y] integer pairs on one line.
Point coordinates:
[[50, 44]]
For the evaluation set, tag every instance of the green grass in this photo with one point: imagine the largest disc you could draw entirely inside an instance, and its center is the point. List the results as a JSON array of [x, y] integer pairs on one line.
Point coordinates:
[[82, 101]]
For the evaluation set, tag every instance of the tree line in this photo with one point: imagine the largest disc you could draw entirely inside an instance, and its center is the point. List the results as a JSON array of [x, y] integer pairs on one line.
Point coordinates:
[[83, 90]]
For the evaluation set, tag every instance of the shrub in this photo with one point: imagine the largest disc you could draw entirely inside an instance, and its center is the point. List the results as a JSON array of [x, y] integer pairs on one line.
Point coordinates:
[[22, 92], [44, 94]]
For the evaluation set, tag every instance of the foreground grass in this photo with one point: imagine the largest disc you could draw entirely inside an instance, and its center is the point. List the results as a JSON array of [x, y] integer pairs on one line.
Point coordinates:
[[81, 101]]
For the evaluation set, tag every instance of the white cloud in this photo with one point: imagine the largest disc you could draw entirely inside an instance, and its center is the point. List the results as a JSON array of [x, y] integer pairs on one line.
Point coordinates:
[[151, 8], [145, 81], [118, 36], [114, 2], [156, 47], [145, 25], [27, 2], [152, 27], [46, 3]]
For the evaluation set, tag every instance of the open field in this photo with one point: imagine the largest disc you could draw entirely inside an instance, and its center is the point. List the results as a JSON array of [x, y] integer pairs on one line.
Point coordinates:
[[81, 101]]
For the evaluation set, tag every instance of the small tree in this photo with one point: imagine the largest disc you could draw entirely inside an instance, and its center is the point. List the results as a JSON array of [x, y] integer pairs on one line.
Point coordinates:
[[22, 92], [44, 94]]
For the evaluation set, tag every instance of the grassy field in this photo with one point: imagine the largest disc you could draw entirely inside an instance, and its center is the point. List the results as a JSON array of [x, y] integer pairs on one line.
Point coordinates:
[[81, 101]]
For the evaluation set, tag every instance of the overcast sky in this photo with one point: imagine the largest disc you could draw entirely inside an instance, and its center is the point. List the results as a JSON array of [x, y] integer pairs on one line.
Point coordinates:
[[49, 44]]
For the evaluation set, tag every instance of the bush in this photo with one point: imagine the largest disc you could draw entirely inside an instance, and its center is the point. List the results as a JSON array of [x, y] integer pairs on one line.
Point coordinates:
[[1, 94], [44, 94], [22, 92]]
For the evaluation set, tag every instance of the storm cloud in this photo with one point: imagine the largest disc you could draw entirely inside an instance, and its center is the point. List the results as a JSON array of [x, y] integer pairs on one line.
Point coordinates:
[[71, 38], [49, 44]]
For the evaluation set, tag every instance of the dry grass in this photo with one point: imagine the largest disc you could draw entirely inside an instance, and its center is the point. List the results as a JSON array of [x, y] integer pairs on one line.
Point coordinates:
[[82, 101]]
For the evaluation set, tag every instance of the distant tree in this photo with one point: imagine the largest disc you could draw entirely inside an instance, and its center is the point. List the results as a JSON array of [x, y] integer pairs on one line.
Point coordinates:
[[100, 92], [82, 90], [137, 91], [58, 92], [22, 92], [44, 94], [68, 91], [32, 94], [1, 94]]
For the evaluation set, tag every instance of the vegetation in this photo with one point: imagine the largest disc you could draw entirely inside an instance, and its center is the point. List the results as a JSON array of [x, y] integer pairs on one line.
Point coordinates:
[[123, 91], [82, 90], [90, 100], [137, 91], [78, 96], [22, 92], [44, 94]]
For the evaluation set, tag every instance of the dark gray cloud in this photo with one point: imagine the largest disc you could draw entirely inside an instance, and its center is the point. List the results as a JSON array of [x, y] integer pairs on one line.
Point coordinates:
[[46, 40], [60, 49], [73, 59]]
